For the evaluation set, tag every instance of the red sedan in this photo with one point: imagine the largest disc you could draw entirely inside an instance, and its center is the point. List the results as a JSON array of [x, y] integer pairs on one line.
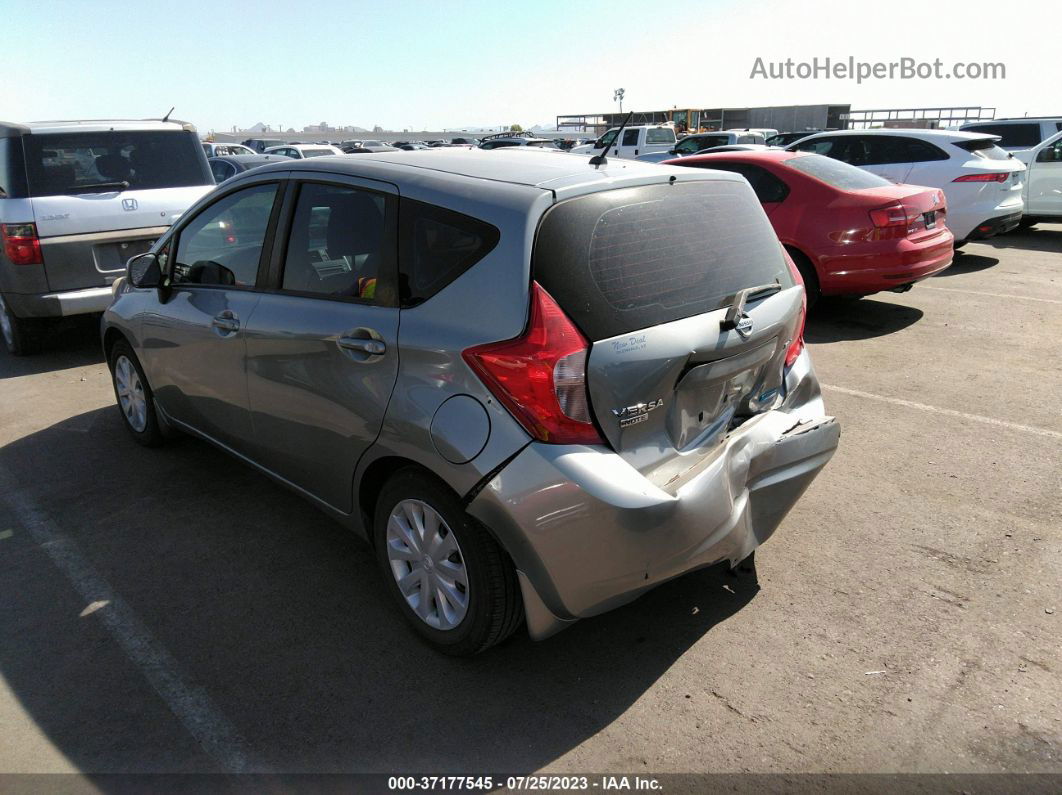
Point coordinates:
[[850, 232]]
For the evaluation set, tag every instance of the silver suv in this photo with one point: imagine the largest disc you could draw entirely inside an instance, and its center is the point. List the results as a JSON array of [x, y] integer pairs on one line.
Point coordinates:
[[77, 199], [538, 388]]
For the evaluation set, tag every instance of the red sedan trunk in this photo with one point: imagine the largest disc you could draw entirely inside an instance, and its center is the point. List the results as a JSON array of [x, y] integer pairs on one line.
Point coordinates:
[[850, 232]]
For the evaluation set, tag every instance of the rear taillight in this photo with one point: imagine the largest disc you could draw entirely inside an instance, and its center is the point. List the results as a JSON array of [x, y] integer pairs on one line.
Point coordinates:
[[797, 345], [890, 222], [984, 176], [541, 375], [21, 244]]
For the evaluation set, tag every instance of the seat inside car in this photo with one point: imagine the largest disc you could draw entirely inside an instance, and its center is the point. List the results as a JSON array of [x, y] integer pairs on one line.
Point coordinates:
[[347, 263]]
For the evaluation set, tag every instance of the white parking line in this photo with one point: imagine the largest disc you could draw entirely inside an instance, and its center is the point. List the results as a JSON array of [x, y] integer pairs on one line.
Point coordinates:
[[190, 704], [991, 295], [947, 412]]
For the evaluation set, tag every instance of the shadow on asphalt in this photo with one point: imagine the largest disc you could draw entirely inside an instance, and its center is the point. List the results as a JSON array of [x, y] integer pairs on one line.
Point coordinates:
[[74, 342], [967, 263], [1034, 239], [278, 613], [834, 320]]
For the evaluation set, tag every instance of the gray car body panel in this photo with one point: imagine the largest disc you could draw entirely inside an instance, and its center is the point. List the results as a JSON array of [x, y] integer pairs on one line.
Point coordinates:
[[585, 528]]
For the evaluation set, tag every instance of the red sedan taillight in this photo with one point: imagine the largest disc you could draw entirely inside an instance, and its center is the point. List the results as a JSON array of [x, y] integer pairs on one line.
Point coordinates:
[[541, 375], [21, 244], [890, 221]]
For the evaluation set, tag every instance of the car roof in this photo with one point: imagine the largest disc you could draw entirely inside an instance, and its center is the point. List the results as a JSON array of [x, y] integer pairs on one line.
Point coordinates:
[[12, 129], [932, 135], [530, 167]]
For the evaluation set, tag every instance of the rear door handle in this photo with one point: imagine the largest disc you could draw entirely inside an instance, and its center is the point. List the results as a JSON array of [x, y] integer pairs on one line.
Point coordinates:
[[226, 321], [363, 345]]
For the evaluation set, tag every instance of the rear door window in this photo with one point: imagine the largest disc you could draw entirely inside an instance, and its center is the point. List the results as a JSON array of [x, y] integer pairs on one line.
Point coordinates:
[[436, 246], [830, 146], [768, 188], [340, 243], [82, 162], [622, 260], [630, 137], [660, 135]]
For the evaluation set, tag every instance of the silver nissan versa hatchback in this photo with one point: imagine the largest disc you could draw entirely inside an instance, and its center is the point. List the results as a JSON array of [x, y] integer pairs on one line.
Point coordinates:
[[538, 387]]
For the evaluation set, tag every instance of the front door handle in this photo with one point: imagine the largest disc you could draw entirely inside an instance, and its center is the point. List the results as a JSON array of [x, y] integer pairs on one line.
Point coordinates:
[[363, 345], [226, 321]]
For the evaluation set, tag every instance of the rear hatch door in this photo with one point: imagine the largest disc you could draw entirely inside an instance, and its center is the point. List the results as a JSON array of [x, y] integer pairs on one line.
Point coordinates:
[[649, 274]]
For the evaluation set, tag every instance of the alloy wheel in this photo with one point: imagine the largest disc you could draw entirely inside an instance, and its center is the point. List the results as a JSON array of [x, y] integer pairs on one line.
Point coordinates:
[[427, 564], [131, 396]]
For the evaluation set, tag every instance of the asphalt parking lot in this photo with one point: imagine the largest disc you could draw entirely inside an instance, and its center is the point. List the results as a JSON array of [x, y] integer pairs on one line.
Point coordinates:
[[171, 610]]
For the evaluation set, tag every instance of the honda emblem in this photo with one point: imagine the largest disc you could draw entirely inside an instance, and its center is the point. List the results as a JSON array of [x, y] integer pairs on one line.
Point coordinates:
[[129, 204]]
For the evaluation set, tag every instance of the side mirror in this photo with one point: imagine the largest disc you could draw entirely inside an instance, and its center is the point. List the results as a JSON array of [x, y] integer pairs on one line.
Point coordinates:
[[144, 270]]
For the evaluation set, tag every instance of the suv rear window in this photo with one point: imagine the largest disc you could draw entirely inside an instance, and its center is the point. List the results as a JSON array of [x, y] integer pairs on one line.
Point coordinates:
[[836, 173], [622, 260], [80, 162], [1012, 134]]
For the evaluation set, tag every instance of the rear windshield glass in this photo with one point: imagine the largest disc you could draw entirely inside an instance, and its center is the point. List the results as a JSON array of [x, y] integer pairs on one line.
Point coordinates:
[[316, 152], [984, 148], [82, 162], [834, 172], [1025, 134], [622, 260]]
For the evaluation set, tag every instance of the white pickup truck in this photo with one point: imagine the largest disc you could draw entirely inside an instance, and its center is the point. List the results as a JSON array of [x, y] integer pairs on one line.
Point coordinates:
[[635, 141], [1043, 181]]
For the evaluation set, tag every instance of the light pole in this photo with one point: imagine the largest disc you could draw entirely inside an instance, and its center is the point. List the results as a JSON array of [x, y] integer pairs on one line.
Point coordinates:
[[617, 96]]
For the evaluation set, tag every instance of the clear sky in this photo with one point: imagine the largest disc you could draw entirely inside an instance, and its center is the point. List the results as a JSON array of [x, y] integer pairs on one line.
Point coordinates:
[[428, 65]]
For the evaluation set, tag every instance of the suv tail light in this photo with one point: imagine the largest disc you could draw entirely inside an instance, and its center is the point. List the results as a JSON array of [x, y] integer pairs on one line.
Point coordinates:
[[797, 345], [21, 244], [984, 176], [541, 375]]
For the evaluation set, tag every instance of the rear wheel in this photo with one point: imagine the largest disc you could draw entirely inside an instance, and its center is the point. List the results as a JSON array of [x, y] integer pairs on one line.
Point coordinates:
[[1027, 223], [21, 335], [808, 274], [135, 399], [453, 583]]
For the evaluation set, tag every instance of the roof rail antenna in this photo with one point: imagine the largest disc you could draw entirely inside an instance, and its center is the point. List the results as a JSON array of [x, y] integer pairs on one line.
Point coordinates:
[[599, 160], [167, 116]]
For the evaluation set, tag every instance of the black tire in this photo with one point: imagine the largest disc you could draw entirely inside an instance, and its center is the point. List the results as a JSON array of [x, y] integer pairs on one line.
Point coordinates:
[[1027, 223], [959, 244], [21, 335], [808, 274], [494, 609], [151, 434]]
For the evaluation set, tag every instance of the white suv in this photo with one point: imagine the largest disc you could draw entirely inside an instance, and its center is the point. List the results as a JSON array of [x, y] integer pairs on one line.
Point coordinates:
[[78, 199], [982, 183], [1018, 134]]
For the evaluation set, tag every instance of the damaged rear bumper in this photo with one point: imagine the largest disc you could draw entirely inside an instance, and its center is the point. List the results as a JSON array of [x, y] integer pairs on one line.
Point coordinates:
[[588, 532]]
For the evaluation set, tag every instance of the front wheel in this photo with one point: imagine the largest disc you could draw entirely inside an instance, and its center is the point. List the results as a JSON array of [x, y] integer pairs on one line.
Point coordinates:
[[453, 583], [135, 399]]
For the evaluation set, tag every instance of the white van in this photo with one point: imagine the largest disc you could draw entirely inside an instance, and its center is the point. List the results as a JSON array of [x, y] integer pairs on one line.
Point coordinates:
[[635, 141], [78, 199]]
